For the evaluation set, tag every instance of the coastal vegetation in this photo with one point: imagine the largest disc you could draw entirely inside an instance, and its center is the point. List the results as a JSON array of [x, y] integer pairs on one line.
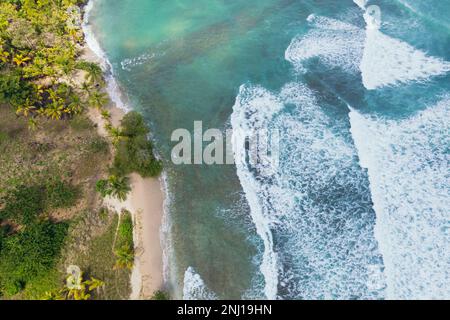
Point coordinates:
[[52, 158], [124, 246], [117, 187], [46, 182], [91, 243], [31, 252], [161, 295], [134, 151], [42, 73], [77, 287]]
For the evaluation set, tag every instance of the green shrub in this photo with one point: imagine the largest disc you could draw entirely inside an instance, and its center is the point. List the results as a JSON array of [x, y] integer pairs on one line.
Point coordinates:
[[80, 123], [124, 248], [160, 295], [126, 230], [23, 204], [3, 234], [99, 145], [13, 89], [60, 194], [3, 138], [102, 187], [133, 125], [134, 152], [29, 254]]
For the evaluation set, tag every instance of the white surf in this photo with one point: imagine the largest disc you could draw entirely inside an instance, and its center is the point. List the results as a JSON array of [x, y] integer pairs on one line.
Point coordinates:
[[407, 163]]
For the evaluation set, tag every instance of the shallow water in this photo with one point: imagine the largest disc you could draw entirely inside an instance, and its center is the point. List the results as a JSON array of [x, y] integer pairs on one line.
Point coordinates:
[[341, 218]]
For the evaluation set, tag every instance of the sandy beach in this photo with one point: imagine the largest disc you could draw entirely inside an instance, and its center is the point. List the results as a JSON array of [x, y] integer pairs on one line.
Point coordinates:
[[145, 202]]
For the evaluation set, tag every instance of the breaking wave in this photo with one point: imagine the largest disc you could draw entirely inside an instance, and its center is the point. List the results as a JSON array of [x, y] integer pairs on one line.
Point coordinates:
[[314, 214], [381, 60], [388, 61], [194, 287], [335, 43], [112, 86], [407, 162]]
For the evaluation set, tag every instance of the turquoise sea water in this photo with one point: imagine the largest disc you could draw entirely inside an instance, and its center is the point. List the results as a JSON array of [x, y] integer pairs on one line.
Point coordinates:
[[359, 206]]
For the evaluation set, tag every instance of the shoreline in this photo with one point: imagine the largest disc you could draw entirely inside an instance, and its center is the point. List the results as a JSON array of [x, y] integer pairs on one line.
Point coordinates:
[[145, 201]]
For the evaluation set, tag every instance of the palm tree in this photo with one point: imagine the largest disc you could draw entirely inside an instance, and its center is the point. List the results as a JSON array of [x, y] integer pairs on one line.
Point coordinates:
[[120, 187], [57, 108], [105, 114], [116, 135], [67, 66], [32, 124], [94, 72], [75, 107], [75, 287], [78, 294], [86, 88], [20, 59], [98, 99], [53, 94], [39, 91], [74, 34], [53, 295], [108, 126], [125, 258]]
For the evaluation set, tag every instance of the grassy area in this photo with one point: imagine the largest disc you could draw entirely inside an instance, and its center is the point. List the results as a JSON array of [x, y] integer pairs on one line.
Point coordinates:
[[29, 256], [59, 149], [125, 231], [51, 155], [93, 252], [49, 211], [124, 246]]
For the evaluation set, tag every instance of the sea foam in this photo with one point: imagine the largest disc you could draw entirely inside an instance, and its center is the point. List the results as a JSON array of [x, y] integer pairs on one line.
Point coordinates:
[[381, 59], [317, 205], [361, 3], [246, 120], [335, 43], [407, 162], [388, 61], [195, 288], [112, 86]]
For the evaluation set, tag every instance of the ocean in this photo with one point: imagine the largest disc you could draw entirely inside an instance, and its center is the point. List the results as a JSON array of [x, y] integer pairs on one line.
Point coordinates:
[[359, 93]]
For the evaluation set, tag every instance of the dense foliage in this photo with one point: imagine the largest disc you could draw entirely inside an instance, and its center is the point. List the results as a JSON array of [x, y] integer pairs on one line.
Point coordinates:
[[31, 251], [134, 152], [117, 187], [40, 46], [124, 248], [126, 229], [161, 295], [29, 254], [43, 76], [23, 204]]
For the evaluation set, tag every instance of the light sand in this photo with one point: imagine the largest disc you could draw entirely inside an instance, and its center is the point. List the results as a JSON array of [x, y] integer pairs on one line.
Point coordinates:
[[145, 202]]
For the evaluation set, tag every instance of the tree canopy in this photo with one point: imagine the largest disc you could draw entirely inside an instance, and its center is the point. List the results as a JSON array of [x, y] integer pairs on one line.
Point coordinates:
[[40, 66]]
